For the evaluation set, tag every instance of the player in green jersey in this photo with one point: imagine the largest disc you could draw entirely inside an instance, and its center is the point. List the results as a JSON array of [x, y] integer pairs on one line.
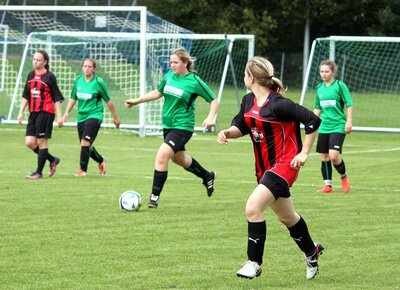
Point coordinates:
[[90, 90], [180, 87], [332, 100]]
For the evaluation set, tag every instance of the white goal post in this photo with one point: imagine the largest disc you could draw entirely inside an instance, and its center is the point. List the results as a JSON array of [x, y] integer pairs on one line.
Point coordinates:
[[132, 63], [370, 68]]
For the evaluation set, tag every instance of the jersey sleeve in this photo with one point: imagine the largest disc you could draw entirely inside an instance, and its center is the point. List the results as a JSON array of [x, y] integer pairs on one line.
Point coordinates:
[[287, 110], [161, 85], [55, 91], [346, 96], [26, 94], [74, 89], [204, 90], [238, 121], [104, 92]]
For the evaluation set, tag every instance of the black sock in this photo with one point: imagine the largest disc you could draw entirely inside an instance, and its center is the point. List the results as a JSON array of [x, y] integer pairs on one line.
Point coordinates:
[[257, 234], [85, 153], [326, 170], [42, 158], [158, 182], [299, 233], [49, 156], [95, 155], [341, 169], [197, 169]]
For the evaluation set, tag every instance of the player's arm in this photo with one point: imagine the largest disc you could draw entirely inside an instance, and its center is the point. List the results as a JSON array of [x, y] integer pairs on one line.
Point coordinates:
[[60, 119], [349, 122], [301, 158], [231, 133], [317, 112], [113, 110], [70, 105], [24, 103], [209, 122], [153, 95]]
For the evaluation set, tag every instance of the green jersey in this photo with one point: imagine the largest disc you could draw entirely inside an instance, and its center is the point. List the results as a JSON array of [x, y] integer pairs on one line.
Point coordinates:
[[180, 93], [90, 95], [332, 101]]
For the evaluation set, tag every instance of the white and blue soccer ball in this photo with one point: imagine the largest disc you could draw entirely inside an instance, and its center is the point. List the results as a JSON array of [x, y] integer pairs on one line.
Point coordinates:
[[130, 201]]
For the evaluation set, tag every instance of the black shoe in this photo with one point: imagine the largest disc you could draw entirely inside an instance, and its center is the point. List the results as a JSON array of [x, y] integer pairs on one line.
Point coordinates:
[[208, 182], [153, 201]]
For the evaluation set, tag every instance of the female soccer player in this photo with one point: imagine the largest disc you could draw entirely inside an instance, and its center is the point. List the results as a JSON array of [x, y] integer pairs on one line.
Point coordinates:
[[42, 95], [90, 90], [273, 123], [180, 88], [331, 98]]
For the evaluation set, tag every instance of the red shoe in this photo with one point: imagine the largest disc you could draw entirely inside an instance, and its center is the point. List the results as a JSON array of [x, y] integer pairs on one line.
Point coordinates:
[[102, 167], [345, 184], [53, 166], [81, 173], [326, 189]]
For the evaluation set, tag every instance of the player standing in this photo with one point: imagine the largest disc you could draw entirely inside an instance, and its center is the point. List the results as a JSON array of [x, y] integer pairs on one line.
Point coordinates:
[[42, 95], [332, 98], [90, 90]]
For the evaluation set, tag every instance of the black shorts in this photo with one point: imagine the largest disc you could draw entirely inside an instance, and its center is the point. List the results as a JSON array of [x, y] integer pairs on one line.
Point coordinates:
[[88, 129], [177, 139], [40, 125], [276, 184], [328, 142]]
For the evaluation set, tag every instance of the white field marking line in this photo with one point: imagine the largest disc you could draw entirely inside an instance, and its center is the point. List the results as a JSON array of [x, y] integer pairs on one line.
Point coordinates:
[[232, 181]]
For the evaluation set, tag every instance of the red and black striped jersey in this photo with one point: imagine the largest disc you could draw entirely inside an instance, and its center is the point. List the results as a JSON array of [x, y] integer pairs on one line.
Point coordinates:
[[274, 128], [41, 91]]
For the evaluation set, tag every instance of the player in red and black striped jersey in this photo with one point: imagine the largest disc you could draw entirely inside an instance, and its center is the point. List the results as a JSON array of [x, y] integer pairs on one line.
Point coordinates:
[[42, 95], [273, 124]]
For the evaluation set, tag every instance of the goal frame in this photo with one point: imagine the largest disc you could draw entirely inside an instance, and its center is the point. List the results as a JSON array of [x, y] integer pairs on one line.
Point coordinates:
[[143, 37], [332, 55]]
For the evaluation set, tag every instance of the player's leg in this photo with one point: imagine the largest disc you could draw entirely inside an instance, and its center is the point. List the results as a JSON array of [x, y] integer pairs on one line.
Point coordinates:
[[335, 149], [164, 154], [326, 165], [193, 166], [41, 126], [284, 210], [258, 201]]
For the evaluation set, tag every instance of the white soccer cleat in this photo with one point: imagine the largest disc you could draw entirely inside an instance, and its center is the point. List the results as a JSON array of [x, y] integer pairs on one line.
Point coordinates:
[[312, 261], [249, 270]]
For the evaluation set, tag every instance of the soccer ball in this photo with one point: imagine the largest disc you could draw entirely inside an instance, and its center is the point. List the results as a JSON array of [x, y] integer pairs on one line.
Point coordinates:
[[130, 201]]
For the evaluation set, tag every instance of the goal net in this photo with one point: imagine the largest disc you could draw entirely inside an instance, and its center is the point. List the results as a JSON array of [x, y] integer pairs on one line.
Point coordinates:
[[132, 54], [369, 67]]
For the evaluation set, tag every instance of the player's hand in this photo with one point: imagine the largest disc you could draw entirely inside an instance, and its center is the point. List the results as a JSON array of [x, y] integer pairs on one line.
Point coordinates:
[[117, 122], [60, 121], [299, 160], [130, 102], [20, 118], [221, 138]]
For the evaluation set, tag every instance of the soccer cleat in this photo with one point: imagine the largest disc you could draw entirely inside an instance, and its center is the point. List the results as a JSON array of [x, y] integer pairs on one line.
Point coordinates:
[[326, 189], [53, 166], [34, 175], [312, 261], [249, 270], [345, 184], [102, 167], [153, 201], [208, 182], [81, 173]]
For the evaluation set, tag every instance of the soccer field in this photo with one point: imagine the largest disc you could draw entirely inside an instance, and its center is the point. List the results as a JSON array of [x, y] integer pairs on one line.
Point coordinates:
[[67, 232]]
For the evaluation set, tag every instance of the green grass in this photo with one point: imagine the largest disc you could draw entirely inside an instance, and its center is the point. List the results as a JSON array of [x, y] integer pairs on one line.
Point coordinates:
[[66, 232]]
